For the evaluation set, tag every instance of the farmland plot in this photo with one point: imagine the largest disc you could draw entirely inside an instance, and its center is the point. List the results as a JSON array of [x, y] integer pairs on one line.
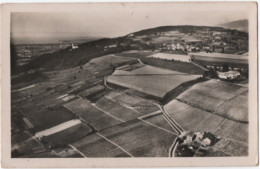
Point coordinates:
[[159, 121], [90, 147], [91, 90], [231, 147], [116, 110], [69, 135], [135, 54], [95, 117], [155, 70], [167, 56], [24, 143], [151, 80], [134, 66], [236, 108], [223, 86], [192, 118], [174, 65], [204, 102], [138, 104], [46, 118], [97, 95], [224, 99], [140, 138], [233, 130]]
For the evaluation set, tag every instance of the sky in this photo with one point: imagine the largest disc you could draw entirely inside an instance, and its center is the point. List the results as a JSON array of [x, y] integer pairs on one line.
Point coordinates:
[[113, 20]]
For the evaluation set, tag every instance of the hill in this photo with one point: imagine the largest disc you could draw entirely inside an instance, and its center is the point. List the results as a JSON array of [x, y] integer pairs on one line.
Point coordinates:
[[149, 39], [241, 25]]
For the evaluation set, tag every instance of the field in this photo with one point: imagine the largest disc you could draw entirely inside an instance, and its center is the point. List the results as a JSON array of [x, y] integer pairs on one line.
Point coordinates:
[[159, 121], [44, 118], [90, 147], [114, 115], [166, 56], [113, 108], [131, 102], [173, 65], [132, 139], [222, 58], [217, 107], [135, 54], [95, 117], [92, 90], [24, 143], [192, 118], [151, 80], [184, 67], [38, 106], [69, 135], [231, 148], [235, 108], [220, 98], [139, 138]]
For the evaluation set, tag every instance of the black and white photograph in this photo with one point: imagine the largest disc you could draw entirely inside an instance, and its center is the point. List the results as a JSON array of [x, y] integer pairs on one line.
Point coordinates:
[[132, 80]]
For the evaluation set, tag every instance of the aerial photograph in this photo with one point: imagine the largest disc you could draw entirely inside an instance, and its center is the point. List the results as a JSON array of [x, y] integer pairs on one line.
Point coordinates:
[[129, 81]]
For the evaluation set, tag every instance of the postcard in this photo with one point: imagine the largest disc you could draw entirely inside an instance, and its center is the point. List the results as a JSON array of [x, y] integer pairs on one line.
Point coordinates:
[[134, 84]]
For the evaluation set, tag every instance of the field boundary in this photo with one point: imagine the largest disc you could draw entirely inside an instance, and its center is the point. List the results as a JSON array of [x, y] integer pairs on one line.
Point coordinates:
[[115, 144]]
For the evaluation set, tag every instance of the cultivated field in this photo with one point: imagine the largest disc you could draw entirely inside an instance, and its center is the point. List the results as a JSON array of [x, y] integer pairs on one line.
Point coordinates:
[[167, 56], [68, 135], [220, 98], [140, 138], [38, 108], [151, 80], [192, 118], [135, 103], [24, 143], [90, 147], [95, 117], [45, 118], [116, 110], [77, 110], [217, 107]]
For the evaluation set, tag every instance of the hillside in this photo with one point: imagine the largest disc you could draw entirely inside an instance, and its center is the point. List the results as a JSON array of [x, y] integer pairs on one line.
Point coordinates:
[[149, 39], [241, 25]]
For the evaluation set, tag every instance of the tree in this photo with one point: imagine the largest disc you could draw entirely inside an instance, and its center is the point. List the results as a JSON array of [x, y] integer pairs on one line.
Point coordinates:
[[13, 58]]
